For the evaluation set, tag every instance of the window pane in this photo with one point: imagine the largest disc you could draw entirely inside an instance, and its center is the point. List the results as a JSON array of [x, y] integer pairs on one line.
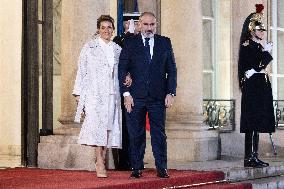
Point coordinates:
[[207, 8], [207, 85], [40, 48], [39, 5], [207, 46], [280, 88], [280, 54], [280, 13]]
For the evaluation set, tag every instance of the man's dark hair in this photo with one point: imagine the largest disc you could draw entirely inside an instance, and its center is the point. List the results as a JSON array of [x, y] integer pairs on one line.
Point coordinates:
[[104, 18], [146, 13]]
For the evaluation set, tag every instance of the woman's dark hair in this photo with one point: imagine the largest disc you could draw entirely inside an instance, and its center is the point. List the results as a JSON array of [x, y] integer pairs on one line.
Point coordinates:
[[104, 18]]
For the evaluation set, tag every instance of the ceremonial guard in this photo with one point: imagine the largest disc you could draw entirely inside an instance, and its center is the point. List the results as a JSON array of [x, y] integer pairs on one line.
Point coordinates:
[[257, 114]]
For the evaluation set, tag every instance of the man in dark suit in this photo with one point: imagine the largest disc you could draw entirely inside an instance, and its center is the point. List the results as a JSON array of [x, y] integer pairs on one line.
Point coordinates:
[[150, 60]]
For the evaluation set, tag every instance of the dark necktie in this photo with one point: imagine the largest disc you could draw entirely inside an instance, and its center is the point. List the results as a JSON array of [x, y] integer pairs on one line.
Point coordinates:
[[147, 48]]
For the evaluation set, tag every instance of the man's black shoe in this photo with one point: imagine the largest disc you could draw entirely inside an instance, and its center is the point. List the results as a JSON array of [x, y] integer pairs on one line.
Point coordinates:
[[136, 174], [162, 173]]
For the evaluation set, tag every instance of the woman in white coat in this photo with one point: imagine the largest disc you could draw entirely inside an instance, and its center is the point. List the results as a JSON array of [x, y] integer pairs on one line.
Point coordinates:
[[97, 93]]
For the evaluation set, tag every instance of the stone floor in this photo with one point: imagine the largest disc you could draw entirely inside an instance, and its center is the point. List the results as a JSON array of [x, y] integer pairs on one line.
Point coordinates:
[[225, 163]]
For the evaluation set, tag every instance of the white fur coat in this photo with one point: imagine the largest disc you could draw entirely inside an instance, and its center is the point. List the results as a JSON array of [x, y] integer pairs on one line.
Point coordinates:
[[97, 84]]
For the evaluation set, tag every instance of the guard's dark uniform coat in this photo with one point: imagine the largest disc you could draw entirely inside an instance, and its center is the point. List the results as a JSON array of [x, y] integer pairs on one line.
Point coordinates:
[[257, 112]]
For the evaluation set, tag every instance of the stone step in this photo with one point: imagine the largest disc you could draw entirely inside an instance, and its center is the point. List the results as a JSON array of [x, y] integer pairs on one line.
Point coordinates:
[[63, 152], [62, 139], [70, 129], [241, 174], [233, 168], [268, 183]]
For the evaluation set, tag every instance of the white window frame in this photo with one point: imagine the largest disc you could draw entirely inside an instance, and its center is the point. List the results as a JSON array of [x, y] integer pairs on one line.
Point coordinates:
[[274, 34], [214, 46]]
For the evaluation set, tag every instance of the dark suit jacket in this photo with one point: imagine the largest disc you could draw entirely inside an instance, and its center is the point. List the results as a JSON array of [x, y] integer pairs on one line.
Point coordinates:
[[156, 79]]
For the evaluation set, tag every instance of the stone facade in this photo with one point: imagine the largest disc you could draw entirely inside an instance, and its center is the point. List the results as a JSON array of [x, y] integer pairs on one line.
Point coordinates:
[[75, 23]]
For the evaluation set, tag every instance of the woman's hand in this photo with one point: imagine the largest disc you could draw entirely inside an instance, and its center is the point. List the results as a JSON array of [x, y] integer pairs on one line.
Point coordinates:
[[77, 98]]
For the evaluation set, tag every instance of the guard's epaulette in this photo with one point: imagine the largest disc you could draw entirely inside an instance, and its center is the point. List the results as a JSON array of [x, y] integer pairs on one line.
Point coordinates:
[[246, 43]]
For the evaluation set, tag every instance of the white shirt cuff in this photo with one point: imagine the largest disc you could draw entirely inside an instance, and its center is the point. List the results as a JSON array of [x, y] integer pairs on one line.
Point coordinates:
[[126, 94]]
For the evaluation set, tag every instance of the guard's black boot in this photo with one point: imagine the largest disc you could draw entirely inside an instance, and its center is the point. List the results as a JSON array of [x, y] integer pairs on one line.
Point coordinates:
[[264, 164], [252, 162], [248, 150], [255, 149]]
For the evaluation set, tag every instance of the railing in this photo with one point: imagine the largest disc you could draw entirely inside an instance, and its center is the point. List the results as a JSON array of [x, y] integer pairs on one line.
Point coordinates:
[[219, 114], [279, 113]]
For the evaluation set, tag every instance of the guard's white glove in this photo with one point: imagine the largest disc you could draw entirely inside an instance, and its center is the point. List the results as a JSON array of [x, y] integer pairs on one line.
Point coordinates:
[[267, 47], [131, 26], [249, 73]]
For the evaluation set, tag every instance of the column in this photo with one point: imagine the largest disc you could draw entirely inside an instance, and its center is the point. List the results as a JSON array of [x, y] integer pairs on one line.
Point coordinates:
[[10, 77], [185, 31]]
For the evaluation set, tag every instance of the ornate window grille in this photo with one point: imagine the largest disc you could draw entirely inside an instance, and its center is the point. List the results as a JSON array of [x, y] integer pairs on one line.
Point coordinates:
[[220, 114], [279, 116]]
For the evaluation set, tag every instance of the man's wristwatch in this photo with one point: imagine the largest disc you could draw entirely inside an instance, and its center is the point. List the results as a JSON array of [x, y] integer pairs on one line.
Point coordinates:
[[172, 94]]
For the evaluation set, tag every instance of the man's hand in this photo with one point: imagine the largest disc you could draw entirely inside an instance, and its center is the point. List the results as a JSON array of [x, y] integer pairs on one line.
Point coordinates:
[[169, 100], [128, 80], [128, 103]]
